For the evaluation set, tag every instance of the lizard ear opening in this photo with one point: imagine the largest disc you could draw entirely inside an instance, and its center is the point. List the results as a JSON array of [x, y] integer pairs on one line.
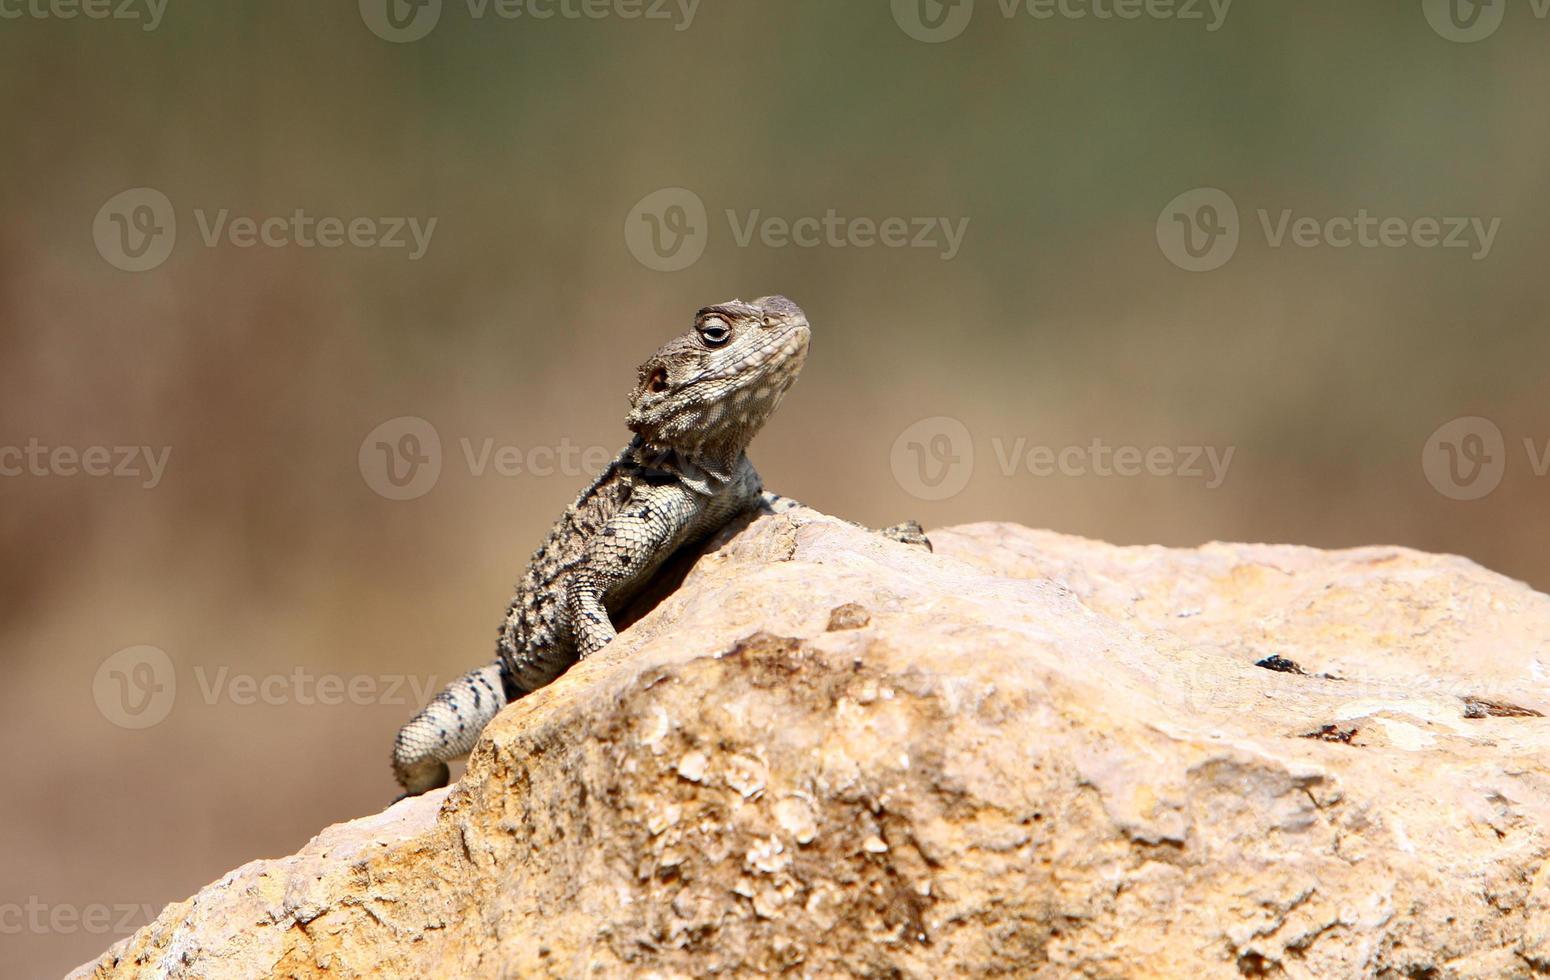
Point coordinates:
[[657, 383]]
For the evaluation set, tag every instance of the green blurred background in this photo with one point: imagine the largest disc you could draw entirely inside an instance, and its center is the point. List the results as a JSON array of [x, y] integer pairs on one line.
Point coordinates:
[[264, 549]]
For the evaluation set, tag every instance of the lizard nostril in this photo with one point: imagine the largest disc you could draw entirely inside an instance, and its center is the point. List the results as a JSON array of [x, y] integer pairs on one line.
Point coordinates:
[[657, 383]]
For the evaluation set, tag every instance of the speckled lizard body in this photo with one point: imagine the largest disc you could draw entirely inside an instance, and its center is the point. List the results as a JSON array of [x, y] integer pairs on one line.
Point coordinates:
[[698, 402]]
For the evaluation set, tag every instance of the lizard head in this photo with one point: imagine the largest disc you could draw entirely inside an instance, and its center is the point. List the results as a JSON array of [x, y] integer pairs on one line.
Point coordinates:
[[709, 391]]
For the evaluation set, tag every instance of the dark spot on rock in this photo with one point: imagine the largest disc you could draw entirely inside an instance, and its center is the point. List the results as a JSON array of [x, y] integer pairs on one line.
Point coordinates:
[[850, 616], [1332, 733], [1280, 664], [1483, 708], [775, 659]]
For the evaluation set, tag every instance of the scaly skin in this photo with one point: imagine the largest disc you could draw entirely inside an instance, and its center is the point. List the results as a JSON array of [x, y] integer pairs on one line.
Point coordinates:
[[697, 404]]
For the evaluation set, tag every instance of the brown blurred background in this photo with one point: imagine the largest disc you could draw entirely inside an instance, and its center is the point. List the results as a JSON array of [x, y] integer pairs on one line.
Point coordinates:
[[264, 552]]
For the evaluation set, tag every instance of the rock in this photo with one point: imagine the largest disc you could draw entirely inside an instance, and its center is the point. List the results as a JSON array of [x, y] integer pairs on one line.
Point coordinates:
[[1025, 754]]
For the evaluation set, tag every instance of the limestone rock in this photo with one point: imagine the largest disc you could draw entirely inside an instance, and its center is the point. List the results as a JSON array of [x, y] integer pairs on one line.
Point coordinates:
[[1026, 754]]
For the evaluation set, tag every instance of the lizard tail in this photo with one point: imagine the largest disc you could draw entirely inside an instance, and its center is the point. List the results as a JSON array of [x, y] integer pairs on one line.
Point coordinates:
[[446, 729]]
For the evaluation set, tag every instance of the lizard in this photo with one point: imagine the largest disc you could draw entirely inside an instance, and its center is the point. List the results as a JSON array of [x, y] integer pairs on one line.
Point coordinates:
[[697, 403]]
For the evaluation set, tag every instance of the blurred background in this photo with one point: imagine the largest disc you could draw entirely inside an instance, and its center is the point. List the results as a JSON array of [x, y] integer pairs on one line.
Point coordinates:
[[260, 493]]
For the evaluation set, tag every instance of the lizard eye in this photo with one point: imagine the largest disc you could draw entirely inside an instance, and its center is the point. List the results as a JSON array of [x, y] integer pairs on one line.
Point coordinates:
[[715, 332]]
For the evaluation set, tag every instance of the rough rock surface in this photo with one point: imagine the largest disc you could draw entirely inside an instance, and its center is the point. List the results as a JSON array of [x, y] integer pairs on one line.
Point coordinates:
[[1027, 754]]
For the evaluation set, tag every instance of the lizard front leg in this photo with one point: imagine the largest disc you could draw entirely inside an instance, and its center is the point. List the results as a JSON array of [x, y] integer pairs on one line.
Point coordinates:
[[910, 532], [652, 524]]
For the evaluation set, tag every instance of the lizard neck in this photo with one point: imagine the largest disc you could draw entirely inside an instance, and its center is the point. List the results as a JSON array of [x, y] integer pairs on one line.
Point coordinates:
[[706, 469]]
